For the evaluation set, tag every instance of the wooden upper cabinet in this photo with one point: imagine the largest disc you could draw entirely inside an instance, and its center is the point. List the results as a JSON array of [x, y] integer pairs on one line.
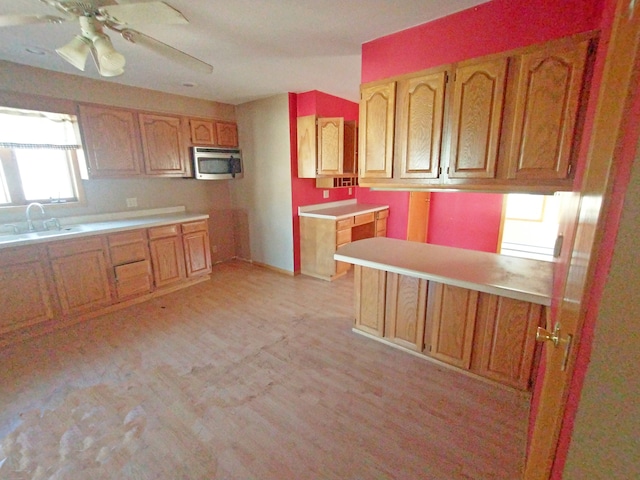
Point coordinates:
[[164, 151], [545, 111], [326, 147], [330, 145], [111, 141], [203, 132], [350, 158], [227, 134], [377, 116], [476, 120], [419, 125]]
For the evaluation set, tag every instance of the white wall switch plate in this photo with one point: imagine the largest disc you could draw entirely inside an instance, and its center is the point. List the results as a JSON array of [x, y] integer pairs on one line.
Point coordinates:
[[325, 194]]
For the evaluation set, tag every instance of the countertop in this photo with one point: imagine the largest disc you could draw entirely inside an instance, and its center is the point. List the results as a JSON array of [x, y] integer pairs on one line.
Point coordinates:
[[76, 227], [338, 210], [512, 277]]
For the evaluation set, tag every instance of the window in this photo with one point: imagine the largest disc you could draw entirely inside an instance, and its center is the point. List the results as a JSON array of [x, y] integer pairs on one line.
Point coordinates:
[[38, 158], [530, 225]]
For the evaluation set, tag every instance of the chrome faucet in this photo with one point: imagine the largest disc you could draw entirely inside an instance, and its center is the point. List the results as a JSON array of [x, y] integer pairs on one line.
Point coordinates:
[[29, 221]]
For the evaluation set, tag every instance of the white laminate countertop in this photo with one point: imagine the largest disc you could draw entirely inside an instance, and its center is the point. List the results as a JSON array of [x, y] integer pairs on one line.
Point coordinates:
[[338, 210], [105, 223], [512, 277]]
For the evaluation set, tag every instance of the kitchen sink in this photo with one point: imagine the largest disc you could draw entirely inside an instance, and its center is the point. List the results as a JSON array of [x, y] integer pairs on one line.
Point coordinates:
[[66, 230]]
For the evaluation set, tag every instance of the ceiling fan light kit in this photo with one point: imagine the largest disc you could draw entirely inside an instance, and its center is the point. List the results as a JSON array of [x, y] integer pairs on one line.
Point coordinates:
[[93, 15]]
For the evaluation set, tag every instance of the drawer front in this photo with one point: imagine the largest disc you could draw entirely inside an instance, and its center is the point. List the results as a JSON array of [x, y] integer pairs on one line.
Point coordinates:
[[161, 232], [381, 227], [382, 214], [71, 247], [364, 218], [133, 252], [194, 226], [343, 236], [133, 279], [132, 270], [127, 237], [344, 223]]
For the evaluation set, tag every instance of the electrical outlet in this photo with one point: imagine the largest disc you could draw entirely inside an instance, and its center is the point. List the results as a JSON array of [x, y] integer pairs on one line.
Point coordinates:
[[132, 202], [350, 190], [325, 194]]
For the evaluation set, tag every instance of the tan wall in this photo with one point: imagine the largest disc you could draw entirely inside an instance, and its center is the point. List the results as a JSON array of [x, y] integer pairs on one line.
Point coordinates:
[[105, 196]]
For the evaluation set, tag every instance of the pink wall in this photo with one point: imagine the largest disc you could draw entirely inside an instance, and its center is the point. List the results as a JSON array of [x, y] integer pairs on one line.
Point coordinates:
[[465, 220], [303, 190]]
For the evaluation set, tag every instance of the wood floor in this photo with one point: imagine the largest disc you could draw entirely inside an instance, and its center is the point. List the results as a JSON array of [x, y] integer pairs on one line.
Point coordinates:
[[252, 375]]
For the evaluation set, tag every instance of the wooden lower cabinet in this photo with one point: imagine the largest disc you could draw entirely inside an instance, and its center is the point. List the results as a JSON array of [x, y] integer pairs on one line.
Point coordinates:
[[452, 312], [197, 252], [167, 255], [80, 274], [370, 299], [406, 310], [489, 335], [504, 343], [25, 297]]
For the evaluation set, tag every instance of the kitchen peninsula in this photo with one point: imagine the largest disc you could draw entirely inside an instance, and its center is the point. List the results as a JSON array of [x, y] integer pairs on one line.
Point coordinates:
[[327, 226], [476, 311]]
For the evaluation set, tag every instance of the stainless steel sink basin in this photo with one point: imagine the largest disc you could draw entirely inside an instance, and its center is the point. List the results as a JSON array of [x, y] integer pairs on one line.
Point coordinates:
[[66, 230]]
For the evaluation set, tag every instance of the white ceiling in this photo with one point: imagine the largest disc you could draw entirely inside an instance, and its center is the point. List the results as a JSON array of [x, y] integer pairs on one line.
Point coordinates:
[[258, 48]]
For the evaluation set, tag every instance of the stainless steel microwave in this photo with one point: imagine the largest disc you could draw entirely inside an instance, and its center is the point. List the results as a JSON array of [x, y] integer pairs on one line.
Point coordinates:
[[210, 163]]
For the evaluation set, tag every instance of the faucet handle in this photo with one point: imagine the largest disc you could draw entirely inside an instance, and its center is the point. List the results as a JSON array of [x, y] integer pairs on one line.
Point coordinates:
[[54, 221], [13, 226]]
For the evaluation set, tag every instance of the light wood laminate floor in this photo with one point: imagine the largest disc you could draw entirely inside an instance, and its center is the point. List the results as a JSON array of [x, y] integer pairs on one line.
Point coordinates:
[[252, 375]]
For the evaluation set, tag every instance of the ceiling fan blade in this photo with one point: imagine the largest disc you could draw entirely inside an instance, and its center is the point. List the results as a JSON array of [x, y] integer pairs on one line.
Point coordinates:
[[166, 50], [12, 20], [141, 13]]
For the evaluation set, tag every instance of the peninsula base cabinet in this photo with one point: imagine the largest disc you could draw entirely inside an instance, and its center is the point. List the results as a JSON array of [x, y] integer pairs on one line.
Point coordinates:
[[488, 335], [64, 281]]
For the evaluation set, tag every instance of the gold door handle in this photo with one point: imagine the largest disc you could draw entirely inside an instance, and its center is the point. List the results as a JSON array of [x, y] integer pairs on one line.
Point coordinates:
[[543, 335]]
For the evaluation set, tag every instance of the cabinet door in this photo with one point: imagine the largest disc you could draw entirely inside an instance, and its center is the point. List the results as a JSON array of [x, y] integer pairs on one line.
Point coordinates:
[[197, 253], [350, 161], [370, 297], [419, 125], [203, 132], [307, 146], [227, 134], [406, 310], [24, 294], [478, 100], [377, 115], [80, 274], [133, 279], [504, 342], [381, 223], [111, 141], [546, 106], [453, 313], [167, 258], [330, 145], [164, 152]]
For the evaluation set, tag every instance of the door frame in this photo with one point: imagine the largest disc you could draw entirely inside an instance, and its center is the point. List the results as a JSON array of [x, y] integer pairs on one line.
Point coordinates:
[[597, 213]]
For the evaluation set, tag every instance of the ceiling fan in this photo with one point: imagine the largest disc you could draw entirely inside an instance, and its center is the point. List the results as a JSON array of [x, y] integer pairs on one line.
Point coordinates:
[[94, 16]]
